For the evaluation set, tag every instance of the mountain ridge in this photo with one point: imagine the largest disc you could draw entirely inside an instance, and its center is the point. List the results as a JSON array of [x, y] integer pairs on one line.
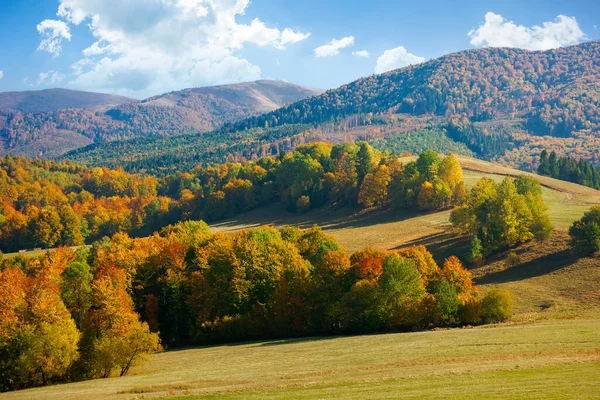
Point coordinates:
[[54, 130], [48, 100], [504, 104]]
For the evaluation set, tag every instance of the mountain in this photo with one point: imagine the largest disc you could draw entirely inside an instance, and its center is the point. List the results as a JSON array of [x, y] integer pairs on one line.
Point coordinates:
[[55, 99], [51, 123], [496, 103]]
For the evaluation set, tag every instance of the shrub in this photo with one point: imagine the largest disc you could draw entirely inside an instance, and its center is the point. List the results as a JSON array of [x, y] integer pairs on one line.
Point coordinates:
[[512, 259], [303, 204], [497, 305], [475, 251], [585, 233]]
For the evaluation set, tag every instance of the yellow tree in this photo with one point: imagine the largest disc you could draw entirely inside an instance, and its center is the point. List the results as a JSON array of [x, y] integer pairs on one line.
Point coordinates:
[[374, 189], [451, 173], [425, 198], [49, 333], [115, 337]]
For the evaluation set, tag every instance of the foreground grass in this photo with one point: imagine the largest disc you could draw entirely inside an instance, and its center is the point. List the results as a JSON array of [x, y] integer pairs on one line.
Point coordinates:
[[541, 360]]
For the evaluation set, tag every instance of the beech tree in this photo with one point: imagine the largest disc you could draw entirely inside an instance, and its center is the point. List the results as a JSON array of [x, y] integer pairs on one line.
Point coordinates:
[[502, 215], [374, 188]]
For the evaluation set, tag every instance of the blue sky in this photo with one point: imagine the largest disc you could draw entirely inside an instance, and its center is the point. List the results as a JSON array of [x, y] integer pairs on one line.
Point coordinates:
[[141, 48]]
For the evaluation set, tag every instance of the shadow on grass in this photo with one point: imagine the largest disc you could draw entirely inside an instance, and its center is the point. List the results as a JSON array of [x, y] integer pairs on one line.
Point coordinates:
[[442, 245], [279, 342], [328, 218], [531, 269]]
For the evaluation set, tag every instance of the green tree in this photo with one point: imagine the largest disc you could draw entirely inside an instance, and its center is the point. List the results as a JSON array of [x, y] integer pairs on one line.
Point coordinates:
[[497, 305], [76, 290], [401, 290], [585, 233], [428, 165], [365, 160], [71, 234]]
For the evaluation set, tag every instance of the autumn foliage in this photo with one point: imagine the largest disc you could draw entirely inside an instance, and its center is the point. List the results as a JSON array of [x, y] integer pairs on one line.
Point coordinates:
[[45, 204]]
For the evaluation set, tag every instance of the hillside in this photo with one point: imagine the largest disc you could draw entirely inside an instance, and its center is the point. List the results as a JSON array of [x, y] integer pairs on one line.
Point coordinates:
[[54, 122], [50, 100], [387, 230], [556, 295], [551, 280], [544, 360], [495, 103]]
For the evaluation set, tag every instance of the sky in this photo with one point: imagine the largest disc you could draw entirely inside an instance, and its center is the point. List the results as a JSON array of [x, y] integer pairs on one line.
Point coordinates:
[[141, 48]]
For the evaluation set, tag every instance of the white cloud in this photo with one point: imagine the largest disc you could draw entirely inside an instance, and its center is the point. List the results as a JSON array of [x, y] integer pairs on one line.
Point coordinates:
[[333, 48], [1, 75], [49, 78], [396, 58], [288, 36], [361, 53], [53, 32], [147, 47], [498, 32]]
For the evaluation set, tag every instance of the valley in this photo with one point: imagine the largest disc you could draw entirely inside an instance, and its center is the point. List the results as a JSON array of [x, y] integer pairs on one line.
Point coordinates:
[[403, 235]]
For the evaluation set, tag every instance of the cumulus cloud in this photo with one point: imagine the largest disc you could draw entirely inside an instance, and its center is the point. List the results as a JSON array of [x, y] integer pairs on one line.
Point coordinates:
[[1, 75], [49, 78], [361, 53], [147, 47], [288, 36], [396, 58], [53, 33], [498, 32], [333, 48]]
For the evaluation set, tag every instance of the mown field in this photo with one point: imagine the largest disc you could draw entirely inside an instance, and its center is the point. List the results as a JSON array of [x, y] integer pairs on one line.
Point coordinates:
[[551, 349], [558, 359]]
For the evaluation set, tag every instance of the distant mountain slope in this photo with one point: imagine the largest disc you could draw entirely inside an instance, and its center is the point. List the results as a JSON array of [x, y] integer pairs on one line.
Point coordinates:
[[55, 99], [252, 97], [51, 123], [556, 91], [503, 104]]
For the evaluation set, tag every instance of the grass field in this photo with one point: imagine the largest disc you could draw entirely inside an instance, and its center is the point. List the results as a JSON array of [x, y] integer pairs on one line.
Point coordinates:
[[551, 349], [542, 360], [392, 229]]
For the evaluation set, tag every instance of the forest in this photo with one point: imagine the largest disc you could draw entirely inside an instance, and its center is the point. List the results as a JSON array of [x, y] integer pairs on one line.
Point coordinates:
[[68, 316], [44, 204], [481, 84]]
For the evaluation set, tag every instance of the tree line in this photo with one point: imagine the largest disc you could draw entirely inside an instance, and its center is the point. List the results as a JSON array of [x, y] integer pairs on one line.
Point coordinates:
[[47, 203], [569, 169], [78, 315]]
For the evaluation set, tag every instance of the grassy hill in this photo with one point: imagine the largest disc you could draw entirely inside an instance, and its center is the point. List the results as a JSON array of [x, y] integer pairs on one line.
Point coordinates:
[[550, 349], [550, 282], [535, 361], [389, 229]]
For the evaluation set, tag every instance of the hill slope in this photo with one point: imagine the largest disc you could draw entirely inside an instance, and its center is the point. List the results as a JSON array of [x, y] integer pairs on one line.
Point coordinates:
[[502, 104], [55, 99], [50, 123], [551, 281], [544, 360]]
